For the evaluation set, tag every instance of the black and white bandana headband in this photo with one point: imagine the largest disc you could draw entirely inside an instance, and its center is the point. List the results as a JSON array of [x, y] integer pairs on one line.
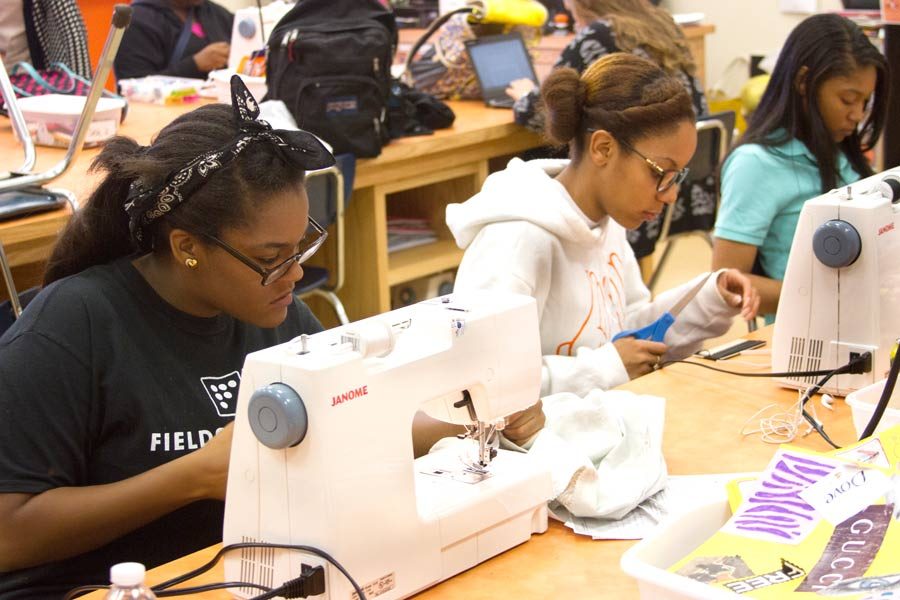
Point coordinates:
[[300, 148]]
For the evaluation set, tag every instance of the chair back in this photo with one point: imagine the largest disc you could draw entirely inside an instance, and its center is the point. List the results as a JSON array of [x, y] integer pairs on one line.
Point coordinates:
[[698, 199], [694, 211], [325, 189]]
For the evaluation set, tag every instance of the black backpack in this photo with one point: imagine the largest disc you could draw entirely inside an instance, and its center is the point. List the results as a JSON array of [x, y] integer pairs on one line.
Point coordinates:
[[329, 61]]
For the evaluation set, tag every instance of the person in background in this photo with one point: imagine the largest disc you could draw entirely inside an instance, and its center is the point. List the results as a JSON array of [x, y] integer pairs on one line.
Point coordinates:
[[42, 32], [635, 26], [183, 38], [119, 382], [555, 229], [823, 109], [607, 26]]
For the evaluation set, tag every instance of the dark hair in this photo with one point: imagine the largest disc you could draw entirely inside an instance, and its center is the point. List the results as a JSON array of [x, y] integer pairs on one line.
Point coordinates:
[[98, 233], [829, 46], [628, 96]]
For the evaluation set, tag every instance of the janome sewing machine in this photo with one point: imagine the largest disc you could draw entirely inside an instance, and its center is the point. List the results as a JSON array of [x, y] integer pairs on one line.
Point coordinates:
[[841, 290], [323, 453]]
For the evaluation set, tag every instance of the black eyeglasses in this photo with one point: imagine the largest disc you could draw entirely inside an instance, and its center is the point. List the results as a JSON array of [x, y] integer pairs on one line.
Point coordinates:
[[314, 237], [667, 177]]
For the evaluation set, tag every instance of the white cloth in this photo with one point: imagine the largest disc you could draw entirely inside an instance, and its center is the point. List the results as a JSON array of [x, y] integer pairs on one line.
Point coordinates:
[[523, 233], [603, 452]]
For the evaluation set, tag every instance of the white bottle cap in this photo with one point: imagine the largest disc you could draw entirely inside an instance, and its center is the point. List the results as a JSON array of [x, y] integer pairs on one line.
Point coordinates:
[[127, 574]]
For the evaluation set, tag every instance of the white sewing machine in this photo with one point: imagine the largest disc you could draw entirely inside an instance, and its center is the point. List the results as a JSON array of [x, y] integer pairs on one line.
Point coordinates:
[[348, 484], [841, 290], [249, 32]]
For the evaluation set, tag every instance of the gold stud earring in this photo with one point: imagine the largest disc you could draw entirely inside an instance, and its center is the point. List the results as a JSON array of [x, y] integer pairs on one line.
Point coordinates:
[[191, 262]]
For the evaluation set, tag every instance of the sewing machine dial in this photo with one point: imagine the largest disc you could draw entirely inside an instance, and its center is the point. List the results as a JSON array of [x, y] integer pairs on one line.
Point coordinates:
[[278, 416]]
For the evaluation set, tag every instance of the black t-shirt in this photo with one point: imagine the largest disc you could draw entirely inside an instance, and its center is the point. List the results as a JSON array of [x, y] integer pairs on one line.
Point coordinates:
[[101, 380], [150, 40]]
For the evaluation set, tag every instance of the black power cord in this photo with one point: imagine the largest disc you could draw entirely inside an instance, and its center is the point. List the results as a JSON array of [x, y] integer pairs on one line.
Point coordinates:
[[288, 586], [853, 363], [885, 399], [857, 365]]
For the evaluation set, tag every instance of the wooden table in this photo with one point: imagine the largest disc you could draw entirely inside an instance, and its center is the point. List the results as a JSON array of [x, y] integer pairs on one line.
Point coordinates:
[[415, 176], [705, 411]]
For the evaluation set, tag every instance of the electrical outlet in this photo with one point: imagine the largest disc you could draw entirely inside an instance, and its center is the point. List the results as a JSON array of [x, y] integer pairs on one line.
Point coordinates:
[[843, 353]]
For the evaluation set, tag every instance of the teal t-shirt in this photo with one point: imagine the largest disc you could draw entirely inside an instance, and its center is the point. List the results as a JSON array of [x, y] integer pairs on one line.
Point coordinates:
[[763, 190]]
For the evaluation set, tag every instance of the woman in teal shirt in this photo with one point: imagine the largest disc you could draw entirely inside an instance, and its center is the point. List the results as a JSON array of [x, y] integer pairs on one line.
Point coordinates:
[[823, 108]]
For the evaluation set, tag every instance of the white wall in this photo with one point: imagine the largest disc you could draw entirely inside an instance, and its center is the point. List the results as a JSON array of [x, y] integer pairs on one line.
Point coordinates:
[[743, 27], [233, 5]]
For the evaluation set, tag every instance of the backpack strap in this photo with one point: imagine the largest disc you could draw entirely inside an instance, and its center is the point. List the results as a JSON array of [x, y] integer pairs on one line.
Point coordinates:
[[183, 38]]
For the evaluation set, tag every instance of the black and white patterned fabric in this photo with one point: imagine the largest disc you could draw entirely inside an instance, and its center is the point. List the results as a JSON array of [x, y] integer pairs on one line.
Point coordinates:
[[56, 33], [300, 148]]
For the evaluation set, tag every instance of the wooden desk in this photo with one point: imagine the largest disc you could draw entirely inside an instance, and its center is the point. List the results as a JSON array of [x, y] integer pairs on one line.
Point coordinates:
[[415, 176], [705, 411]]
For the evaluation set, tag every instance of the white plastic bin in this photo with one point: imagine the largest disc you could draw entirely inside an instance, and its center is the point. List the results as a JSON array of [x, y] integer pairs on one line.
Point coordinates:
[[51, 118], [862, 403], [648, 560]]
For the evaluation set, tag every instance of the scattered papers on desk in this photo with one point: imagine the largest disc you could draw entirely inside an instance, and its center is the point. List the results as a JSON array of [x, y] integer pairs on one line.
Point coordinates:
[[812, 525], [408, 232], [682, 493]]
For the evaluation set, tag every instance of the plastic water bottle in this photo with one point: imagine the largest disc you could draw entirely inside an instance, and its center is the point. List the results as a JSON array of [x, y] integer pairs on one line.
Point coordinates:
[[128, 583]]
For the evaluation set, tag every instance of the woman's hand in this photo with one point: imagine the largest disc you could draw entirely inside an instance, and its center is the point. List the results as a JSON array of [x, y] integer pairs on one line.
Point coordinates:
[[519, 87], [213, 460], [639, 356], [212, 57], [737, 290], [524, 425]]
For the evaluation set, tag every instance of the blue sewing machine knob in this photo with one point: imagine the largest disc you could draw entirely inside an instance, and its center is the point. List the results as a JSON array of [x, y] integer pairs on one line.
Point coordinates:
[[247, 28], [837, 244], [277, 416]]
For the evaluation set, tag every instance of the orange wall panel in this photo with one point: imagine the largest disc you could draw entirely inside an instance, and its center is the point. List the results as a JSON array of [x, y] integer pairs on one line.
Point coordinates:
[[97, 18]]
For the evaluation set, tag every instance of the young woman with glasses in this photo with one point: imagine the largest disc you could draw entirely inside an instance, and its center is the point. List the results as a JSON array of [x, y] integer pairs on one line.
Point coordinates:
[[555, 229], [119, 382]]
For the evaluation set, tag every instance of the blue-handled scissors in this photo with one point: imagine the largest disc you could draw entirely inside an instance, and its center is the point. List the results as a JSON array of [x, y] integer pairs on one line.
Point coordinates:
[[656, 330]]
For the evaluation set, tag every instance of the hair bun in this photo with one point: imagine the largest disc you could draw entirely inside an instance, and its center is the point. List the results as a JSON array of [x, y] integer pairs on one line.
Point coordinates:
[[563, 96]]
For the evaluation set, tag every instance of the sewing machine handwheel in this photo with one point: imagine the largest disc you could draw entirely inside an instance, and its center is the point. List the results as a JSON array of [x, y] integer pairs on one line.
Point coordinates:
[[277, 416], [837, 244]]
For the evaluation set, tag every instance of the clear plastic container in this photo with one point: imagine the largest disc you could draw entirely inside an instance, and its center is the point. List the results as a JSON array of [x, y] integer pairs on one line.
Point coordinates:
[[128, 583], [648, 561], [51, 119], [862, 404]]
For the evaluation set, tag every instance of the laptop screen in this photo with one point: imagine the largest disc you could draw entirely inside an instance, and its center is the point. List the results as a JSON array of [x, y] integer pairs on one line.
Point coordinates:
[[499, 59]]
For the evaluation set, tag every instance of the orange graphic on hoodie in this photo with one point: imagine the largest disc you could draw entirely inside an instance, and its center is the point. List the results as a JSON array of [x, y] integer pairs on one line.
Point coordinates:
[[610, 307]]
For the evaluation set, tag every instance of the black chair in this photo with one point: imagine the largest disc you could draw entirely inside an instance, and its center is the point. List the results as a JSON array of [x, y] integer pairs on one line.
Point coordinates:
[[694, 212], [326, 189]]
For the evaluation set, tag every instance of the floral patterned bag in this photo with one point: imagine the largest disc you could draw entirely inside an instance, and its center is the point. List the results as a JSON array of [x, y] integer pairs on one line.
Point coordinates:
[[444, 70]]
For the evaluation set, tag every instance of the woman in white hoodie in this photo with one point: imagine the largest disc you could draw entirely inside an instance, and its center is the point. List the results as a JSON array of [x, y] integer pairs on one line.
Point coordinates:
[[555, 229]]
